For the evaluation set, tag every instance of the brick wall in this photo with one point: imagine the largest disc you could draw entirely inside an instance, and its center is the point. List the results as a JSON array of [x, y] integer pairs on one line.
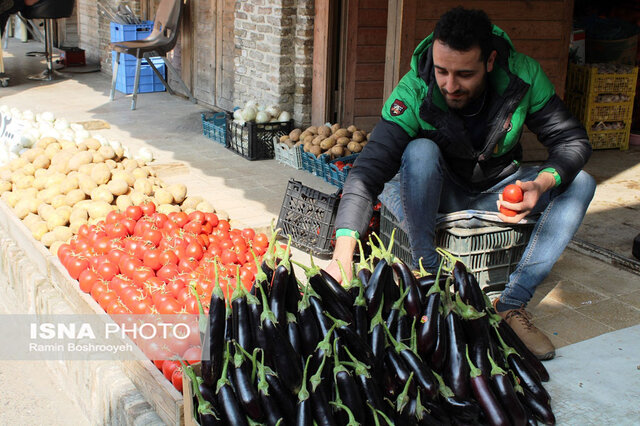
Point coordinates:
[[273, 62], [94, 30]]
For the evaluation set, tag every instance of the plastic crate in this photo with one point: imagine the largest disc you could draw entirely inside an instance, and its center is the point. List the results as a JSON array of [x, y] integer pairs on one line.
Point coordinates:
[[149, 81], [490, 252], [308, 215], [312, 164], [254, 141], [129, 32], [588, 111], [335, 176], [588, 80], [214, 127], [610, 139], [290, 156]]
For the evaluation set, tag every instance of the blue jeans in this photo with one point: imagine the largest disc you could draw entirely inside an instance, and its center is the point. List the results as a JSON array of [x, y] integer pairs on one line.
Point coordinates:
[[424, 187]]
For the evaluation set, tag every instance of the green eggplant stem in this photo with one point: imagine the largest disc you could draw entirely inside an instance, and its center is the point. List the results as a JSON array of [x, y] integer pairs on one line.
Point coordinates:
[[403, 397], [495, 368], [204, 406], [467, 312], [352, 420], [473, 370], [508, 350], [303, 393], [223, 380], [377, 318], [442, 387]]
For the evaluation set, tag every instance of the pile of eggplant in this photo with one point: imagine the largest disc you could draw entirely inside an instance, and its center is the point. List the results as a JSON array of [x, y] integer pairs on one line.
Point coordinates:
[[386, 347]]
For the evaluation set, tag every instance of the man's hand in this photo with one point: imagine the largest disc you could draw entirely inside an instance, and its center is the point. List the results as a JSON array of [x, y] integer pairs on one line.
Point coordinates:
[[343, 253], [532, 191]]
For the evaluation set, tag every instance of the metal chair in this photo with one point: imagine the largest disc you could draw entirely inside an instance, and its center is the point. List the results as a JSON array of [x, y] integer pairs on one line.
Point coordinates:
[[49, 10], [162, 40]]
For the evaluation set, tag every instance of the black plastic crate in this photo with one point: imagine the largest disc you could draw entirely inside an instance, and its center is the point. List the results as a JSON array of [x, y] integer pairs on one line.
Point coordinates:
[[254, 141], [308, 216]]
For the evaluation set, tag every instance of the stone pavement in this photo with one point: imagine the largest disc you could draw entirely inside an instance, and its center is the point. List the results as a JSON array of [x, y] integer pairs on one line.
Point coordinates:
[[583, 297]]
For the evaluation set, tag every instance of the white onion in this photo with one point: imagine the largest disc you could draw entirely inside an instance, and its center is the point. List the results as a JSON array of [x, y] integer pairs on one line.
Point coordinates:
[[262, 117], [103, 141], [68, 135], [273, 110], [75, 126], [51, 133], [115, 145], [47, 116], [81, 135], [61, 124], [284, 116], [237, 114], [252, 103], [249, 114], [145, 155]]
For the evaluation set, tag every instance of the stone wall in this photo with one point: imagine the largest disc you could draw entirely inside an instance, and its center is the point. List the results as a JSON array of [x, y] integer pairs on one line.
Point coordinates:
[[273, 63]]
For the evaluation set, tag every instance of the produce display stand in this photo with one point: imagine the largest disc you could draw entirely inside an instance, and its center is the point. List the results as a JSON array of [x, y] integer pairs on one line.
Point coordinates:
[[44, 287]]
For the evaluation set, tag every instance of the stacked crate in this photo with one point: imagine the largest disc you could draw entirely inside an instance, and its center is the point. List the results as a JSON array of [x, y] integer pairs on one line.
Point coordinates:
[[601, 97]]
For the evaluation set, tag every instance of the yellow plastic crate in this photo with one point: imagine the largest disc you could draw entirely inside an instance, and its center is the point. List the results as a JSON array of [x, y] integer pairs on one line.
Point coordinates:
[[610, 139], [589, 80], [588, 111]]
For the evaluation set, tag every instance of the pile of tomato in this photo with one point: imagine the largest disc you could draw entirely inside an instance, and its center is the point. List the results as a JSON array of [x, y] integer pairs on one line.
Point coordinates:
[[142, 261]]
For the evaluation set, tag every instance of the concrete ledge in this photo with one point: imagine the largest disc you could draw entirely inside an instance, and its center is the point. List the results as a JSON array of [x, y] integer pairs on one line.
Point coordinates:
[[101, 388]]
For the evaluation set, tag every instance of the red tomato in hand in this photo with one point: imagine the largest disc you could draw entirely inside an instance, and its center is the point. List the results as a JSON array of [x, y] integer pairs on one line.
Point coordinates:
[[511, 194]]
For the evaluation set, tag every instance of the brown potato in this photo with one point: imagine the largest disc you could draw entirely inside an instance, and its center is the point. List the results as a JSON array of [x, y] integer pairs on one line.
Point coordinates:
[[315, 150], [309, 138], [298, 143], [368, 136], [337, 151], [358, 136], [343, 141], [307, 147], [340, 133], [328, 143], [284, 138], [304, 135], [352, 129], [354, 147], [324, 131], [295, 134], [312, 129], [347, 153], [316, 141], [335, 127]]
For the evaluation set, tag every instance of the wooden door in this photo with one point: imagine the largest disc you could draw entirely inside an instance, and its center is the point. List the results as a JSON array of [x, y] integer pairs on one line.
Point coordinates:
[[203, 50]]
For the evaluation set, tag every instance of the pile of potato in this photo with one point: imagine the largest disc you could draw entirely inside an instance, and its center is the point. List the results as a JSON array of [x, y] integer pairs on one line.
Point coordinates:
[[58, 185], [333, 140]]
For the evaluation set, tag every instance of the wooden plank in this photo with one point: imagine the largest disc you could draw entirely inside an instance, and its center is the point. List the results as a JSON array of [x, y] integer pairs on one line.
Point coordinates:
[[371, 107], [320, 91], [369, 54], [521, 29], [373, 4], [372, 18], [538, 10], [352, 34], [408, 34], [400, 42], [371, 36], [366, 123], [370, 71], [542, 49], [369, 89]]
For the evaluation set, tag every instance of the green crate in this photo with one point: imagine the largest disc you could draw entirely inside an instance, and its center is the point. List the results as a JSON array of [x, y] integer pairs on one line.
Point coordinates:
[[490, 252]]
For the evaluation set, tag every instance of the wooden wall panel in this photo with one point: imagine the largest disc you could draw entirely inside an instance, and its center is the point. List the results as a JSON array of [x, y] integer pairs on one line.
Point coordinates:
[[365, 63], [204, 25]]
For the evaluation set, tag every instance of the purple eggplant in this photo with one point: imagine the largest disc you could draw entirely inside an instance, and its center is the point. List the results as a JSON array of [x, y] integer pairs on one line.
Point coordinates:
[[245, 392], [227, 400], [409, 285], [307, 323], [506, 394], [493, 411]]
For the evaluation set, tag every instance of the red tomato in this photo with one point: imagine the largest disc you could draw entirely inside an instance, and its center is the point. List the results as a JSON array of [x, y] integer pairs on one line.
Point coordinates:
[[168, 306], [167, 272], [197, 216], [98, 289], [168, 257], [187, 264], [223, 225], [115, 255], [151, 258], [261, 240], [195, 251], [119, 284], [191, 305], [75, 265], [180, 218], [228, 257], [159, 219], [113, 217], [192, 354], [102, 245], [128, 223], [141, 306], [193, 227], [248, 234], [83, 231], [133, 212], [153, 235], [211, 218], [168, 367], [107, 270], [176, 379], [63, 251], [141, 275], [87, 279], [128, 265], [169, 226], [174, 286], [148, 208], [512, 194]]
